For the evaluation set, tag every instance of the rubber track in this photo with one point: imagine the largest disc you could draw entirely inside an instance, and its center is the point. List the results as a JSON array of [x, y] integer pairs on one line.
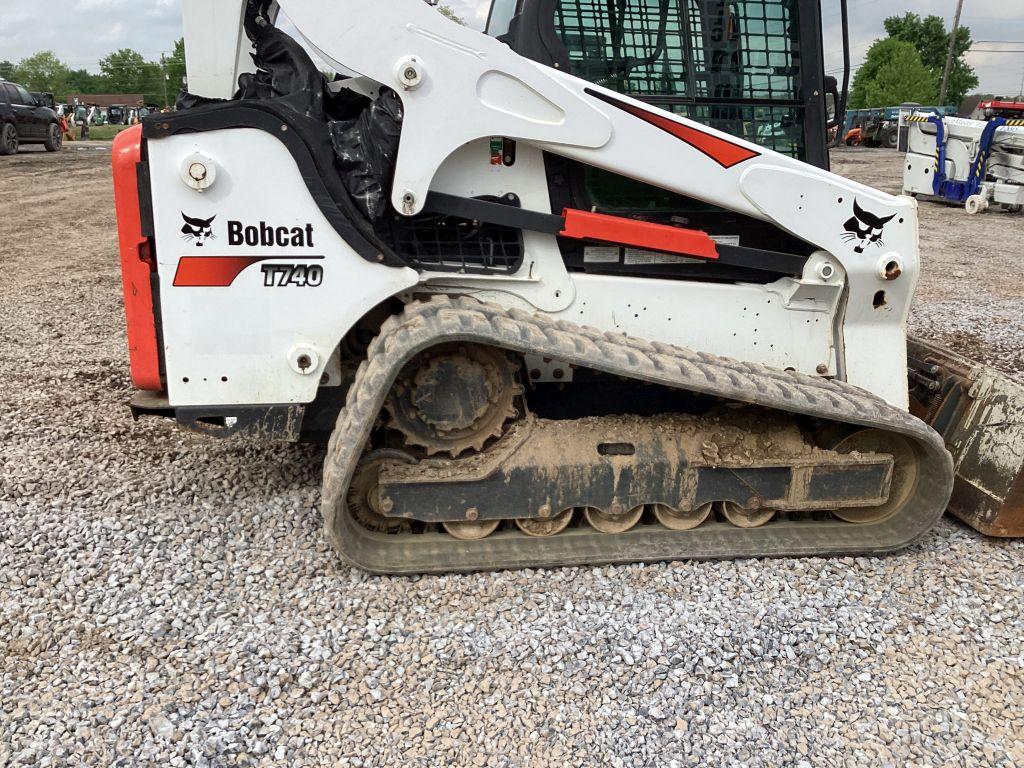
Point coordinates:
[[443, 319]]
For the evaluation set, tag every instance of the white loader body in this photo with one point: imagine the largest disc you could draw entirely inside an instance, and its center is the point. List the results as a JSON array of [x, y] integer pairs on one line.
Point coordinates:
[[844, 317]]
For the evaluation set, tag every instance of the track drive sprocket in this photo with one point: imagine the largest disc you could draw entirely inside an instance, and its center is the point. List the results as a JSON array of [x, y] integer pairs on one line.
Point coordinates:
[[454, 398]]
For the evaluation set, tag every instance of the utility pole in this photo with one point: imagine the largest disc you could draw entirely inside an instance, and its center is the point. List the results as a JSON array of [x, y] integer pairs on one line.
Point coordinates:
[[163, 76], [949, 53]]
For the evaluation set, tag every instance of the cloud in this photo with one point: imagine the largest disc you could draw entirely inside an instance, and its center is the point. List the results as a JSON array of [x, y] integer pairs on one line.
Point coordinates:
[[87, 30], [84, 31]]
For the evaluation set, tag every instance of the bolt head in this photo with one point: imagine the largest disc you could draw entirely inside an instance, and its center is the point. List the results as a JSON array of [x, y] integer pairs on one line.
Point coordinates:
[[822, 368], [197, 171], [472, 513], [544, 510]]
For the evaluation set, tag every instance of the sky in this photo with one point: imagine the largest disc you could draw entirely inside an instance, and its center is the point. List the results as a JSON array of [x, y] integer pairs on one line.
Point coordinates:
[[83, 31]]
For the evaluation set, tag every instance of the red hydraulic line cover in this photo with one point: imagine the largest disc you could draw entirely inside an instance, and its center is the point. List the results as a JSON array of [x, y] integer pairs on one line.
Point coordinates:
[[136, 267], [583, 225]]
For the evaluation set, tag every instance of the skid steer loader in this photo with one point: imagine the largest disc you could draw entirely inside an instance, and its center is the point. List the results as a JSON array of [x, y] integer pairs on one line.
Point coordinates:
[[578, 291]]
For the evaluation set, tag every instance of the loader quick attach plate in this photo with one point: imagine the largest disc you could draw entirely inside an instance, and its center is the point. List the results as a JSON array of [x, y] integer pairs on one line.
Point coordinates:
[[443, 320], [980, 414]]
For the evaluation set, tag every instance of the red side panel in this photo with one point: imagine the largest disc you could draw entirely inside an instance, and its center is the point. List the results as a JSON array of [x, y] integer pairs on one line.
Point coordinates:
[[135, 262], [724, 152], [583, 225], [211, 271]]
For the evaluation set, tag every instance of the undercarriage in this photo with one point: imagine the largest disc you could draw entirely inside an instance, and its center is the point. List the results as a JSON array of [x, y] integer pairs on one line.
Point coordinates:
[[760, 463]]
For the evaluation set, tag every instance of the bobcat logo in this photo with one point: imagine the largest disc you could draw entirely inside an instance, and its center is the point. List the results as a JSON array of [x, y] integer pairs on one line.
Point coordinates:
[[864, 227], [198, 230]]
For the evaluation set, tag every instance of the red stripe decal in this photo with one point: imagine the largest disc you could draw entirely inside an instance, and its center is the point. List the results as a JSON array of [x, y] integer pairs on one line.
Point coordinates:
[[211, 271], [723, 152], [583, 225]]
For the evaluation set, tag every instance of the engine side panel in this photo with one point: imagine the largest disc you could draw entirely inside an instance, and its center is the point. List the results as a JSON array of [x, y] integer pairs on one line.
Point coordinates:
[[256, 286]]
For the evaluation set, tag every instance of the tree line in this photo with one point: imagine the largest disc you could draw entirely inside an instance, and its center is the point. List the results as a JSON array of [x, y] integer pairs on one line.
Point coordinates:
[[906, 66], [121, 71]]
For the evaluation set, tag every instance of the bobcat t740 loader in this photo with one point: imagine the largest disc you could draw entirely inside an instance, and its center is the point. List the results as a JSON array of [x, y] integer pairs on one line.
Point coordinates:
[[578, 291]]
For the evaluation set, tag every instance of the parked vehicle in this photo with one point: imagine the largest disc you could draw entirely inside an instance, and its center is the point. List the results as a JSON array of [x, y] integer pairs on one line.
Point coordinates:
[[25, 120], [880, 133], [45, 99]]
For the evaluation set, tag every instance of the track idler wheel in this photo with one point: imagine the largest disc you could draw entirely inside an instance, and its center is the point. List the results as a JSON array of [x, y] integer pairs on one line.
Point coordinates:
[[746, 518], [363, 499], [681, 520], [616, 520], [904, 473]]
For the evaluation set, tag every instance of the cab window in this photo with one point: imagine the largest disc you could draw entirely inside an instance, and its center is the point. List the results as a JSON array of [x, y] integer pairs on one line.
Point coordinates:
[[697, 58], [500, 17]]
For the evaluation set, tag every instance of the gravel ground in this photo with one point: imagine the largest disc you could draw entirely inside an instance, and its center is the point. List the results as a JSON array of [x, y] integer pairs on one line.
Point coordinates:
[[169, 600]]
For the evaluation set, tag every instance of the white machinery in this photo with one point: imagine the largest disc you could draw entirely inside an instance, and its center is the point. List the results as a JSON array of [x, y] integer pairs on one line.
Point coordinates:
[[974, 162], [512, 374]]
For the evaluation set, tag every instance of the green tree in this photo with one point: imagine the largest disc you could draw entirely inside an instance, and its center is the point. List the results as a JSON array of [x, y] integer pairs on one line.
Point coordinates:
[[43, 71], [446, 10], [125, 71], [83, 81], [931, 39], [154, 87], [7, 69], [175, 68], [892, 73]]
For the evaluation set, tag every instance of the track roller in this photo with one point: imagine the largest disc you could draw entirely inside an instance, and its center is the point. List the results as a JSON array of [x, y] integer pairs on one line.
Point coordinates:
[[681, 520], [614, 521], [746, 518], [471, 530], [540, 526]]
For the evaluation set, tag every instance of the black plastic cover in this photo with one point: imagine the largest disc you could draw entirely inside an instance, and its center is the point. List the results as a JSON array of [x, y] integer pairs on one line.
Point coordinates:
[[364, 133], [366, 148]]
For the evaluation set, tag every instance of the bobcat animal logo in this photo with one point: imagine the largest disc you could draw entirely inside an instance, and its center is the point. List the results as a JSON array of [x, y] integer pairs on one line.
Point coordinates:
[[864, 227], [198, 230]]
